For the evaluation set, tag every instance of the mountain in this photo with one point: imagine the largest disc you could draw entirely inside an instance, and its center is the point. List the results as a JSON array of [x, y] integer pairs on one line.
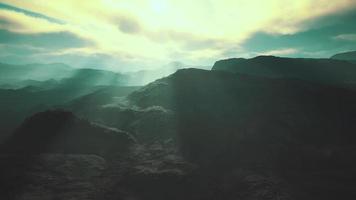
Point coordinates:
[[302, 132], [348, 56], [48, 76], [198, 134], [12, 74], [226, 118], [94, 77], [326, 71], [101, 97], [16, 104], [109, 106], [62, 132], [144, 77], [34, 88]]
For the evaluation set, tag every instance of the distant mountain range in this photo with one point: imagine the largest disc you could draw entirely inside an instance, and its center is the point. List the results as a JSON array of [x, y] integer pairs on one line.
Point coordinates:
[[27, 89], [46, 75], [18, 75]]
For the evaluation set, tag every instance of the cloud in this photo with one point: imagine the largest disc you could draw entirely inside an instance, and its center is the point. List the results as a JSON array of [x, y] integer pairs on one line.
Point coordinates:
[[129, 26], [318, 41], [346, 37], [29, 13], [7, 24], [20, 22], [151, 32], [76, 57], [186, 40], [280, 52], [49, 41]]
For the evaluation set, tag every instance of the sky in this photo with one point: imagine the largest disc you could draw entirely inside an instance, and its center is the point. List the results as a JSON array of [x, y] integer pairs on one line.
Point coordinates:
[[129, 35]]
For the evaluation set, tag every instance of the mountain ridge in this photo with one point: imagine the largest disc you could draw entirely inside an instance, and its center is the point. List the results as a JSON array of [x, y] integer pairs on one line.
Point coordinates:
[[348, 56], [326, 71]]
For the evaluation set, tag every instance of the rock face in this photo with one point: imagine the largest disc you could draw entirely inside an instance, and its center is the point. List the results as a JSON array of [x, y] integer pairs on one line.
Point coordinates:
[[326, 71], [62, 132], [349, 56], [225, 118]]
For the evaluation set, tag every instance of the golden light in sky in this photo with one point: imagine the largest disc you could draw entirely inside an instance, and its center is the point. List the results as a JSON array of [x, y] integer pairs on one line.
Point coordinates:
[[149, 32]]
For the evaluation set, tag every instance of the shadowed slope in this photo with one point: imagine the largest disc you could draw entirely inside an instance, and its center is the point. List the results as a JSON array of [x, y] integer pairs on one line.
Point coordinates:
[[62, 132], [223, 117], [303, 131]]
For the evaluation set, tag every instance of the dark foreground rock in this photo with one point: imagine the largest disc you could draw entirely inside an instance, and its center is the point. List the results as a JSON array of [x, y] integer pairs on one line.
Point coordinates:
[[50, 176], [158, 172]]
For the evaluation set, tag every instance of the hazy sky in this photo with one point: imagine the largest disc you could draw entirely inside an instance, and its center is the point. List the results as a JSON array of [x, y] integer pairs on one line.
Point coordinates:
[[136, 34]]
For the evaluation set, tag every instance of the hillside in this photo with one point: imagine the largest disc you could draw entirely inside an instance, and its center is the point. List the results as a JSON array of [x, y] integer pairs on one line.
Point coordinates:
[[62, 132], [222, 116], [27, 89], [303, 131], [325, 71]]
